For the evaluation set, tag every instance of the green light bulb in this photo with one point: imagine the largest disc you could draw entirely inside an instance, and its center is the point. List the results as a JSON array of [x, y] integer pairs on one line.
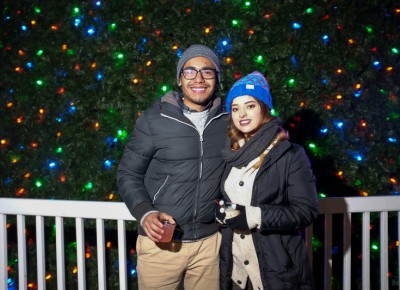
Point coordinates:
[[113, 26], [259, 59], [89, 185], [122, 134]]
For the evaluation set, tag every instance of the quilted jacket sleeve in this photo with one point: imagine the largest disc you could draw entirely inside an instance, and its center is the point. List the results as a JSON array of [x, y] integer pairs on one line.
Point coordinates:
[[298, 206], [133, 167]]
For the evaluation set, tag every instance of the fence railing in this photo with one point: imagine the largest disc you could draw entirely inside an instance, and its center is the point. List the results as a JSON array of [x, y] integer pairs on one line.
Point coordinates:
[[322, 237], [363, 210]]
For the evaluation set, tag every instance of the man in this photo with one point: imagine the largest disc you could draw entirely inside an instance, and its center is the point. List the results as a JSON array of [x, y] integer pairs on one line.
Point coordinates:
[[171, 170]]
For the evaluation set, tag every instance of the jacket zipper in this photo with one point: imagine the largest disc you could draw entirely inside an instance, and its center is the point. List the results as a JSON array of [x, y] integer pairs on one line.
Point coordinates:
[[200, 135], [201, 162], [159, 190]]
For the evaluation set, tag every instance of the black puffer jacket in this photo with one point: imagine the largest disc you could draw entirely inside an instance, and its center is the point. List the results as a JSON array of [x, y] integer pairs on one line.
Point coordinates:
[[285, 191], [168, 166]]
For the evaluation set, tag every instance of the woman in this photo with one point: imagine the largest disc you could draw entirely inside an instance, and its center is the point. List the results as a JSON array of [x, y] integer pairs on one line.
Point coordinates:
[[272, 184]]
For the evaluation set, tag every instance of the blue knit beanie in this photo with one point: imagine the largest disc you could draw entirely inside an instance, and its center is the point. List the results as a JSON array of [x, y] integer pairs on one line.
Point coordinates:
[[196, 50], [254, 85]]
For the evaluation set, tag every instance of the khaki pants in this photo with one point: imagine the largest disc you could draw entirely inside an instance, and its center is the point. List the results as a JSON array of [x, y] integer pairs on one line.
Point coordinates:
[[162, 266]]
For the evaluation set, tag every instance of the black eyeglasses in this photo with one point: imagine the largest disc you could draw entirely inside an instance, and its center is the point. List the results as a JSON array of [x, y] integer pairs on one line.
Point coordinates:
[[191, 73]]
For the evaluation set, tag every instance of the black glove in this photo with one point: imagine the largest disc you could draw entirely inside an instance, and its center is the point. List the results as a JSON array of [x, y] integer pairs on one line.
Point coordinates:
[[219, 211], [238, 222]]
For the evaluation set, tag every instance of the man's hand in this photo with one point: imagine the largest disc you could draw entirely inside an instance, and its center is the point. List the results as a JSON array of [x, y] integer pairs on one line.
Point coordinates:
[[153, 227]]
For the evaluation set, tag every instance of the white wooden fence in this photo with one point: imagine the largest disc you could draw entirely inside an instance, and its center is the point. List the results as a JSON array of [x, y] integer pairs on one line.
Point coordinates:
[[117, 211]]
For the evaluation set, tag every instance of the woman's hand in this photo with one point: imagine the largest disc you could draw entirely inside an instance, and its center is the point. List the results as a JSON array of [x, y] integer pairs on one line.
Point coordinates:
[[238, 222]]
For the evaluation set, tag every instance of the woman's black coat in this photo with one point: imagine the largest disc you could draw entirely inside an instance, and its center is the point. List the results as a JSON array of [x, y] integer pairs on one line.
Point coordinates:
[[284, 189]]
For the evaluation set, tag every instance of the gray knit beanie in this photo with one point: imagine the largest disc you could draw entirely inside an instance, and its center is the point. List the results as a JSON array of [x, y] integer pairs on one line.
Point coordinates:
[[194, 51]]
